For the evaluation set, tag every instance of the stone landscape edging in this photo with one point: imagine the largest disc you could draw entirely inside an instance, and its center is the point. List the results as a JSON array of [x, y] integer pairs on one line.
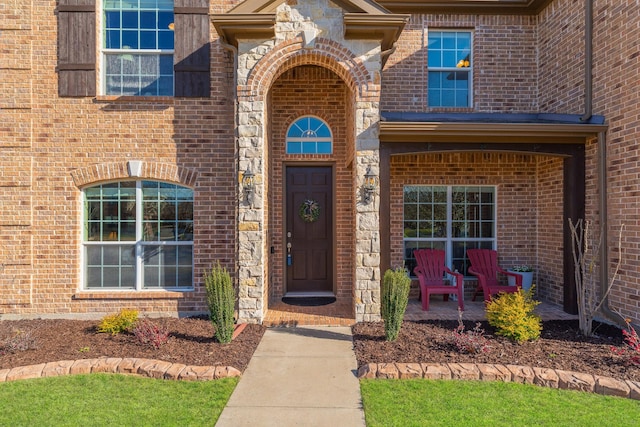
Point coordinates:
[[553, 378], [129, 366]]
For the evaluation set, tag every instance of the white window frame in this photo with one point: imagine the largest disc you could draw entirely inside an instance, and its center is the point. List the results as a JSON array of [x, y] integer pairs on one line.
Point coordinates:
[[104, 52], [138, 243], [449, 239], [468, 70]]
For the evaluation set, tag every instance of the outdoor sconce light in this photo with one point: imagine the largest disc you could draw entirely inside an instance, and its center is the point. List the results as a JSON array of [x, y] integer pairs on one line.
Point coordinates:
[[369, 186], [249, 186]]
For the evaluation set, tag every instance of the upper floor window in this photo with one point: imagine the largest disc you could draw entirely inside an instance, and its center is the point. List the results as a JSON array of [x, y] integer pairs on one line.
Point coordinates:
[[450, 218], [309, 135], [450, 68], [138, 235], [138, 43]]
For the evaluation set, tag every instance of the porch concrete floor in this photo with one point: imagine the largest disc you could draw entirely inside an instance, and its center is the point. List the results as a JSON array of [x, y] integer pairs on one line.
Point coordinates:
[[341, 314]]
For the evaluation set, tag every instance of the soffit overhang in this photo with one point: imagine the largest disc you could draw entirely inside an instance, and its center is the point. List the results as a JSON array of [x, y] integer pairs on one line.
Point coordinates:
[[363, 19], [498, 7], [500, 128]]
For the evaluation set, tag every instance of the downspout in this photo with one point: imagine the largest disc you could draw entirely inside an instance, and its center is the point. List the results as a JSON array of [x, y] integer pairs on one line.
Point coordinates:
[[588, 61]]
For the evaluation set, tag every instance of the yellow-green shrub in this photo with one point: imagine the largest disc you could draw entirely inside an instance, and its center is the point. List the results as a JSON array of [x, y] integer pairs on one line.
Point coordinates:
[[512, 316], [119, 322]]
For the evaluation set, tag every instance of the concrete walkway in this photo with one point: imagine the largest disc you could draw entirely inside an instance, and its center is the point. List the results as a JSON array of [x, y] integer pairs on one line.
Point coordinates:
[[304, 376]]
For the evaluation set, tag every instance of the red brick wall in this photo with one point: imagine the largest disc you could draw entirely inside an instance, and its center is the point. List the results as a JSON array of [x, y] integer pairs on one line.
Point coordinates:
[[504, 63], [311, 90], [561, 57], [521, 64], [616, 83], [46, 138], [550, 223], [616, 78]]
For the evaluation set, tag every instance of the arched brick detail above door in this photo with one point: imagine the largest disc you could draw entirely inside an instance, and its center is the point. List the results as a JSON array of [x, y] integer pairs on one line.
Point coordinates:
[[326, 53]]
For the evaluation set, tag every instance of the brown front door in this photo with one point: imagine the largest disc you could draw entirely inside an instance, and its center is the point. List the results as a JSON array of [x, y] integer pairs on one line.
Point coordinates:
[[309, 244]]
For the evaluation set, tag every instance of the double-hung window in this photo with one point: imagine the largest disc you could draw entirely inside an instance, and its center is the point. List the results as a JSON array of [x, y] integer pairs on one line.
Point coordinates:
[[138, 235], [138, 42], [450, 68], [452, 218]]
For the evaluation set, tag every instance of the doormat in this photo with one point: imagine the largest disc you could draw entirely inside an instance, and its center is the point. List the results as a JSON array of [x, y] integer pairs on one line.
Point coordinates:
[[308, 301]]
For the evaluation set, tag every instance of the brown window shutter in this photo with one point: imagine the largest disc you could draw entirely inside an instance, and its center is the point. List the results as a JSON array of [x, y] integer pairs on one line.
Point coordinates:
[[77, 48], [192, 48]]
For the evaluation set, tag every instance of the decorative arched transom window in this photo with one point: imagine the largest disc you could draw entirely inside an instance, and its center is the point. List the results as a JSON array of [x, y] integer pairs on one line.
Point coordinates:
[[309, 135], [138, 235]]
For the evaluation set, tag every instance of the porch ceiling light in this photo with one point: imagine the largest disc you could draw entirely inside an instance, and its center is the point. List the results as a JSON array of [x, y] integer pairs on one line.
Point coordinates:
[[249, 186], [369, 186]]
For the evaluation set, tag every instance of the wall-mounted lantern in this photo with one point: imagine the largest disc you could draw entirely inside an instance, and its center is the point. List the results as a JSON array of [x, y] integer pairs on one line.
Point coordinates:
[[249, 186], [369, 186]]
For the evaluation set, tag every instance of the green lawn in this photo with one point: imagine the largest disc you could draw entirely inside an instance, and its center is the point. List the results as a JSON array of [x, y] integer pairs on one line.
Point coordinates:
[[112, 400], [472, 403]]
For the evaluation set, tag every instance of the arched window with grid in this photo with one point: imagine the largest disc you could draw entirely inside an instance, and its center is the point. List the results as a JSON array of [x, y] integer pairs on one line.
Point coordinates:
[[309, 135]]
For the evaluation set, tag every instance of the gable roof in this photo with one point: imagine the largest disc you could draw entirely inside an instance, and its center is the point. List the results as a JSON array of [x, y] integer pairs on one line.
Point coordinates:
[[266, 6], [363, 19]]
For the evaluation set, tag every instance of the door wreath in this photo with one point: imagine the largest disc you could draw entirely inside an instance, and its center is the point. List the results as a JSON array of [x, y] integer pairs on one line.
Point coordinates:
[[309, 211]]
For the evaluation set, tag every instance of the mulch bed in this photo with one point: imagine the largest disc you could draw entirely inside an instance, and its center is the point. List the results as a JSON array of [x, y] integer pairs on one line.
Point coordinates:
[[190, 342], [560, 347]]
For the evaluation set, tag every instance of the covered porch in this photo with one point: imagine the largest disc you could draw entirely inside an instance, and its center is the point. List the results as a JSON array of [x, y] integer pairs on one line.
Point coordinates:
[[509, 182]]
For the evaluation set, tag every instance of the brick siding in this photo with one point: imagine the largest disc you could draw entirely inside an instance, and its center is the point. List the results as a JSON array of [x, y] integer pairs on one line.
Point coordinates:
[[521, 64]]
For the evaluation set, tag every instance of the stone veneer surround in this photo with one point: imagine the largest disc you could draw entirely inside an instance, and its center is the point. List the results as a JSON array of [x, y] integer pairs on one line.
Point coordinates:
[[309, 33]]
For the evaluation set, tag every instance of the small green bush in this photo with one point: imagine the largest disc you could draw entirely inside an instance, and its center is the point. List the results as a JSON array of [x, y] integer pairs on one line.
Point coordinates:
[[221, 299], [120, 322], [395, 296], [512, 316]]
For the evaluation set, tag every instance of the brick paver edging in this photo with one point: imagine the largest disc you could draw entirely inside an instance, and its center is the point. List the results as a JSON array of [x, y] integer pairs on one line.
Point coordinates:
[[130, 366], [508, 373]]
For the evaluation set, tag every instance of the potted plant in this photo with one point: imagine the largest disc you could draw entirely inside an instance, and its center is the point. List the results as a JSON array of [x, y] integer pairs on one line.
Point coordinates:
[[527, 276]]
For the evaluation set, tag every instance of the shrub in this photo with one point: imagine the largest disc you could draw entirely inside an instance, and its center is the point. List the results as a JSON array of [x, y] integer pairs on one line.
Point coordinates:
[[395, 296], [469, 342], [221, 299], [19, 341], [148, 333], [632, 343], [120, 322], [512, 316]]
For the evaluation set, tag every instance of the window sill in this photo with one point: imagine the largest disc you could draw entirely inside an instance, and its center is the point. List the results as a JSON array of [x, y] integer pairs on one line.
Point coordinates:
[[129, 99], [137, 295]]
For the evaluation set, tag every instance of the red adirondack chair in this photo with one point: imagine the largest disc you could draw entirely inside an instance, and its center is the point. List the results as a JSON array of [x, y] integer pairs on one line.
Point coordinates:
[[430, 270], [484, 265]]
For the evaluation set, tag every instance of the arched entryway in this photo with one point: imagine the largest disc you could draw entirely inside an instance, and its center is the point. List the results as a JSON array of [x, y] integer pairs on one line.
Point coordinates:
[[310, 255]]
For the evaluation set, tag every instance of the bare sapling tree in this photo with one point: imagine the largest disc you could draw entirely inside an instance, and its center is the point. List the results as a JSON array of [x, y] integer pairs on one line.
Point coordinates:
[[586, 248]]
